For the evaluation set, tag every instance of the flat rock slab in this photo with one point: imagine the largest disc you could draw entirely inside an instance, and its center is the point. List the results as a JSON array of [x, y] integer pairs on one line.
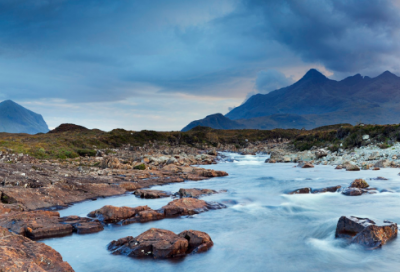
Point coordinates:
[[152, 193], [365, 231], [189, 206], [161, 244], [18, 253], [195, 192], [82, 225], [112, 214]]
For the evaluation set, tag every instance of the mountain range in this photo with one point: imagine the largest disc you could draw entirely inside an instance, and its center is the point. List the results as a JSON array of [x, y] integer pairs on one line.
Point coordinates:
[[314, 101], [16, 119]]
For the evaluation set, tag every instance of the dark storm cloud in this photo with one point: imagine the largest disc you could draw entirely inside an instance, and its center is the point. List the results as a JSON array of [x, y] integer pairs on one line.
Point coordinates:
[[97, 50]]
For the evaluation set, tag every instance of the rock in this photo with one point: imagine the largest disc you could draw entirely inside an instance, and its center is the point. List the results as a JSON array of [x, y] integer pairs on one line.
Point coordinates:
[[18, 253], [321, 153], [82, 225], [387, 191], [338, 167], [365, 137], [352, 192], [198, 241], [352, 167], [7, 208], [305, 165], [286, 159], [332, 189], [161, 244], [195, 192], [151, 193], [383, 164], [35, 224], [376, 168], [379, 178], [271, 161], [359, 183], [306, 190], [365, 232], [189, 206], [112, 214]]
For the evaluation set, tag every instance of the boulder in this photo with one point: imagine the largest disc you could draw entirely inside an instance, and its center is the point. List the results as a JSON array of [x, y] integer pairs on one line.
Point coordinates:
[[161, 244], [321, 153], [82, 225], [383, 164], [365, 232], [195, 192], [352, 192], [352, 167], [112, 214], [332, 189], [151, 193], [189, 206], [359, 183], [306, 190], [18, 253], [376, 168], [339, 167]]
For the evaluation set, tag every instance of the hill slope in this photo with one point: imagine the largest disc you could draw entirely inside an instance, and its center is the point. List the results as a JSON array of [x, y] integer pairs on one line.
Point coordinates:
[[316, 100], [16, 119], [217, 121]]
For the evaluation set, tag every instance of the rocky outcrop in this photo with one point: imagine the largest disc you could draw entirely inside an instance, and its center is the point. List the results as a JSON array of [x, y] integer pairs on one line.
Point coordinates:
[[151, 193], [112, 214], [161, 244], [18, 253], [189, 206], [82, 225], [365, 232], [195, 192]]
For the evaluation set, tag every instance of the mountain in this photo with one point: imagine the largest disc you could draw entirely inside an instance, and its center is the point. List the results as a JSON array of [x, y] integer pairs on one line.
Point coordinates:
[[217, 121], [16, 119], [316, 100]]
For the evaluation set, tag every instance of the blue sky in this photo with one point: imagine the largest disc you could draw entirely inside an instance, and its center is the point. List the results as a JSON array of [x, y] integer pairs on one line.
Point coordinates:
[[161, 64]]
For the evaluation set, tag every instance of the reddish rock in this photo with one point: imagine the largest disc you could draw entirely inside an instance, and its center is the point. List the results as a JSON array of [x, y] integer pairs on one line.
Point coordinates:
[[18, 253], [112, 214], [35, 224], [195, 192], [7, 208], [305, 165], [359, 183], [198, 241], [339, 167], [151, 193], [306, 190], [365, 232], [161, 244], [82, 225], [376, 168], [189, 206]]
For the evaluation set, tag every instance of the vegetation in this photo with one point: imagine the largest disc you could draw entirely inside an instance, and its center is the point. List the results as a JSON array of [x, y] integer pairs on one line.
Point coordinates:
[[85, 142]]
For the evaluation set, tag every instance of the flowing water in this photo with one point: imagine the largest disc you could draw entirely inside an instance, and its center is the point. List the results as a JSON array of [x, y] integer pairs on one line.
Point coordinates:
[[263, 229]]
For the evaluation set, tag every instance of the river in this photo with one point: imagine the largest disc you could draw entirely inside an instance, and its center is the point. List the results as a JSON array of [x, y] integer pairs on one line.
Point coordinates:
[[263, 229]]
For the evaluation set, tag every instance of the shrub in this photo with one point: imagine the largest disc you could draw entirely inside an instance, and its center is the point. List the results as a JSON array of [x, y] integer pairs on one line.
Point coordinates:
[[140, 167]]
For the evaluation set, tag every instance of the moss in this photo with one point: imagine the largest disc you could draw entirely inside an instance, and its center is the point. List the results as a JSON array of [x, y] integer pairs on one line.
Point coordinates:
[[140, 167]]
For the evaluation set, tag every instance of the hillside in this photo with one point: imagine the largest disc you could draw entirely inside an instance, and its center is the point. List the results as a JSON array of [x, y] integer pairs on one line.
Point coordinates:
[[316, 100], [16, 119]]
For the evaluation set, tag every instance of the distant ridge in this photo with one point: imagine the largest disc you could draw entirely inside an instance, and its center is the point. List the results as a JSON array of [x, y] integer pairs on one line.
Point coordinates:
[[217, 121], [67, 127], [16, 119], [316, 100]]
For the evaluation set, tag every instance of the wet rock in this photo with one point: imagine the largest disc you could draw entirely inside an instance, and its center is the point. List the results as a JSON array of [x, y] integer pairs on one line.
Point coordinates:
[[365, 232], [352, 192], [305, 165], [82, 225], [338, 167], [198, 241], [332, 189], [195, 192], [18, 253], [387, 191], [161, 244], [189, 206], [306, 190], [112, 214], [376, 168], [151, 193], [379, 178], [35, 224], [359, 183]]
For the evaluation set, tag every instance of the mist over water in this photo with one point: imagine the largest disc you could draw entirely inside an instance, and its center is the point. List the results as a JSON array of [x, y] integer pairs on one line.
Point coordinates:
[[263, 229]]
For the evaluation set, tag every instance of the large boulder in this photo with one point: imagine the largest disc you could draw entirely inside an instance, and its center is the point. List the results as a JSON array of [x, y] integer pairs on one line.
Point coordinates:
[[161, 244], [359, 183], [365, 232], [195, 192], [18, 253], [189, 206]]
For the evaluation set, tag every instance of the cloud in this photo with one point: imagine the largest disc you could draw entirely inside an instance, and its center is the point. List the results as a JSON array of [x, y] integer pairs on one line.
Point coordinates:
[[271, 80]]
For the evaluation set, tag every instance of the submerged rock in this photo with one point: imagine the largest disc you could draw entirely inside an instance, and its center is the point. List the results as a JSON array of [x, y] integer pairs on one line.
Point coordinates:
[[189, 206], [352, 191], [379, 178], [365, 232], [195, 192], [305, 165], [151, 193], [18, 253], [308, 190], [161, 244]]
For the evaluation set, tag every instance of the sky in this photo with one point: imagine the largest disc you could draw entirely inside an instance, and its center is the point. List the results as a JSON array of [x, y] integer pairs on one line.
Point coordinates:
[[160, 64]]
